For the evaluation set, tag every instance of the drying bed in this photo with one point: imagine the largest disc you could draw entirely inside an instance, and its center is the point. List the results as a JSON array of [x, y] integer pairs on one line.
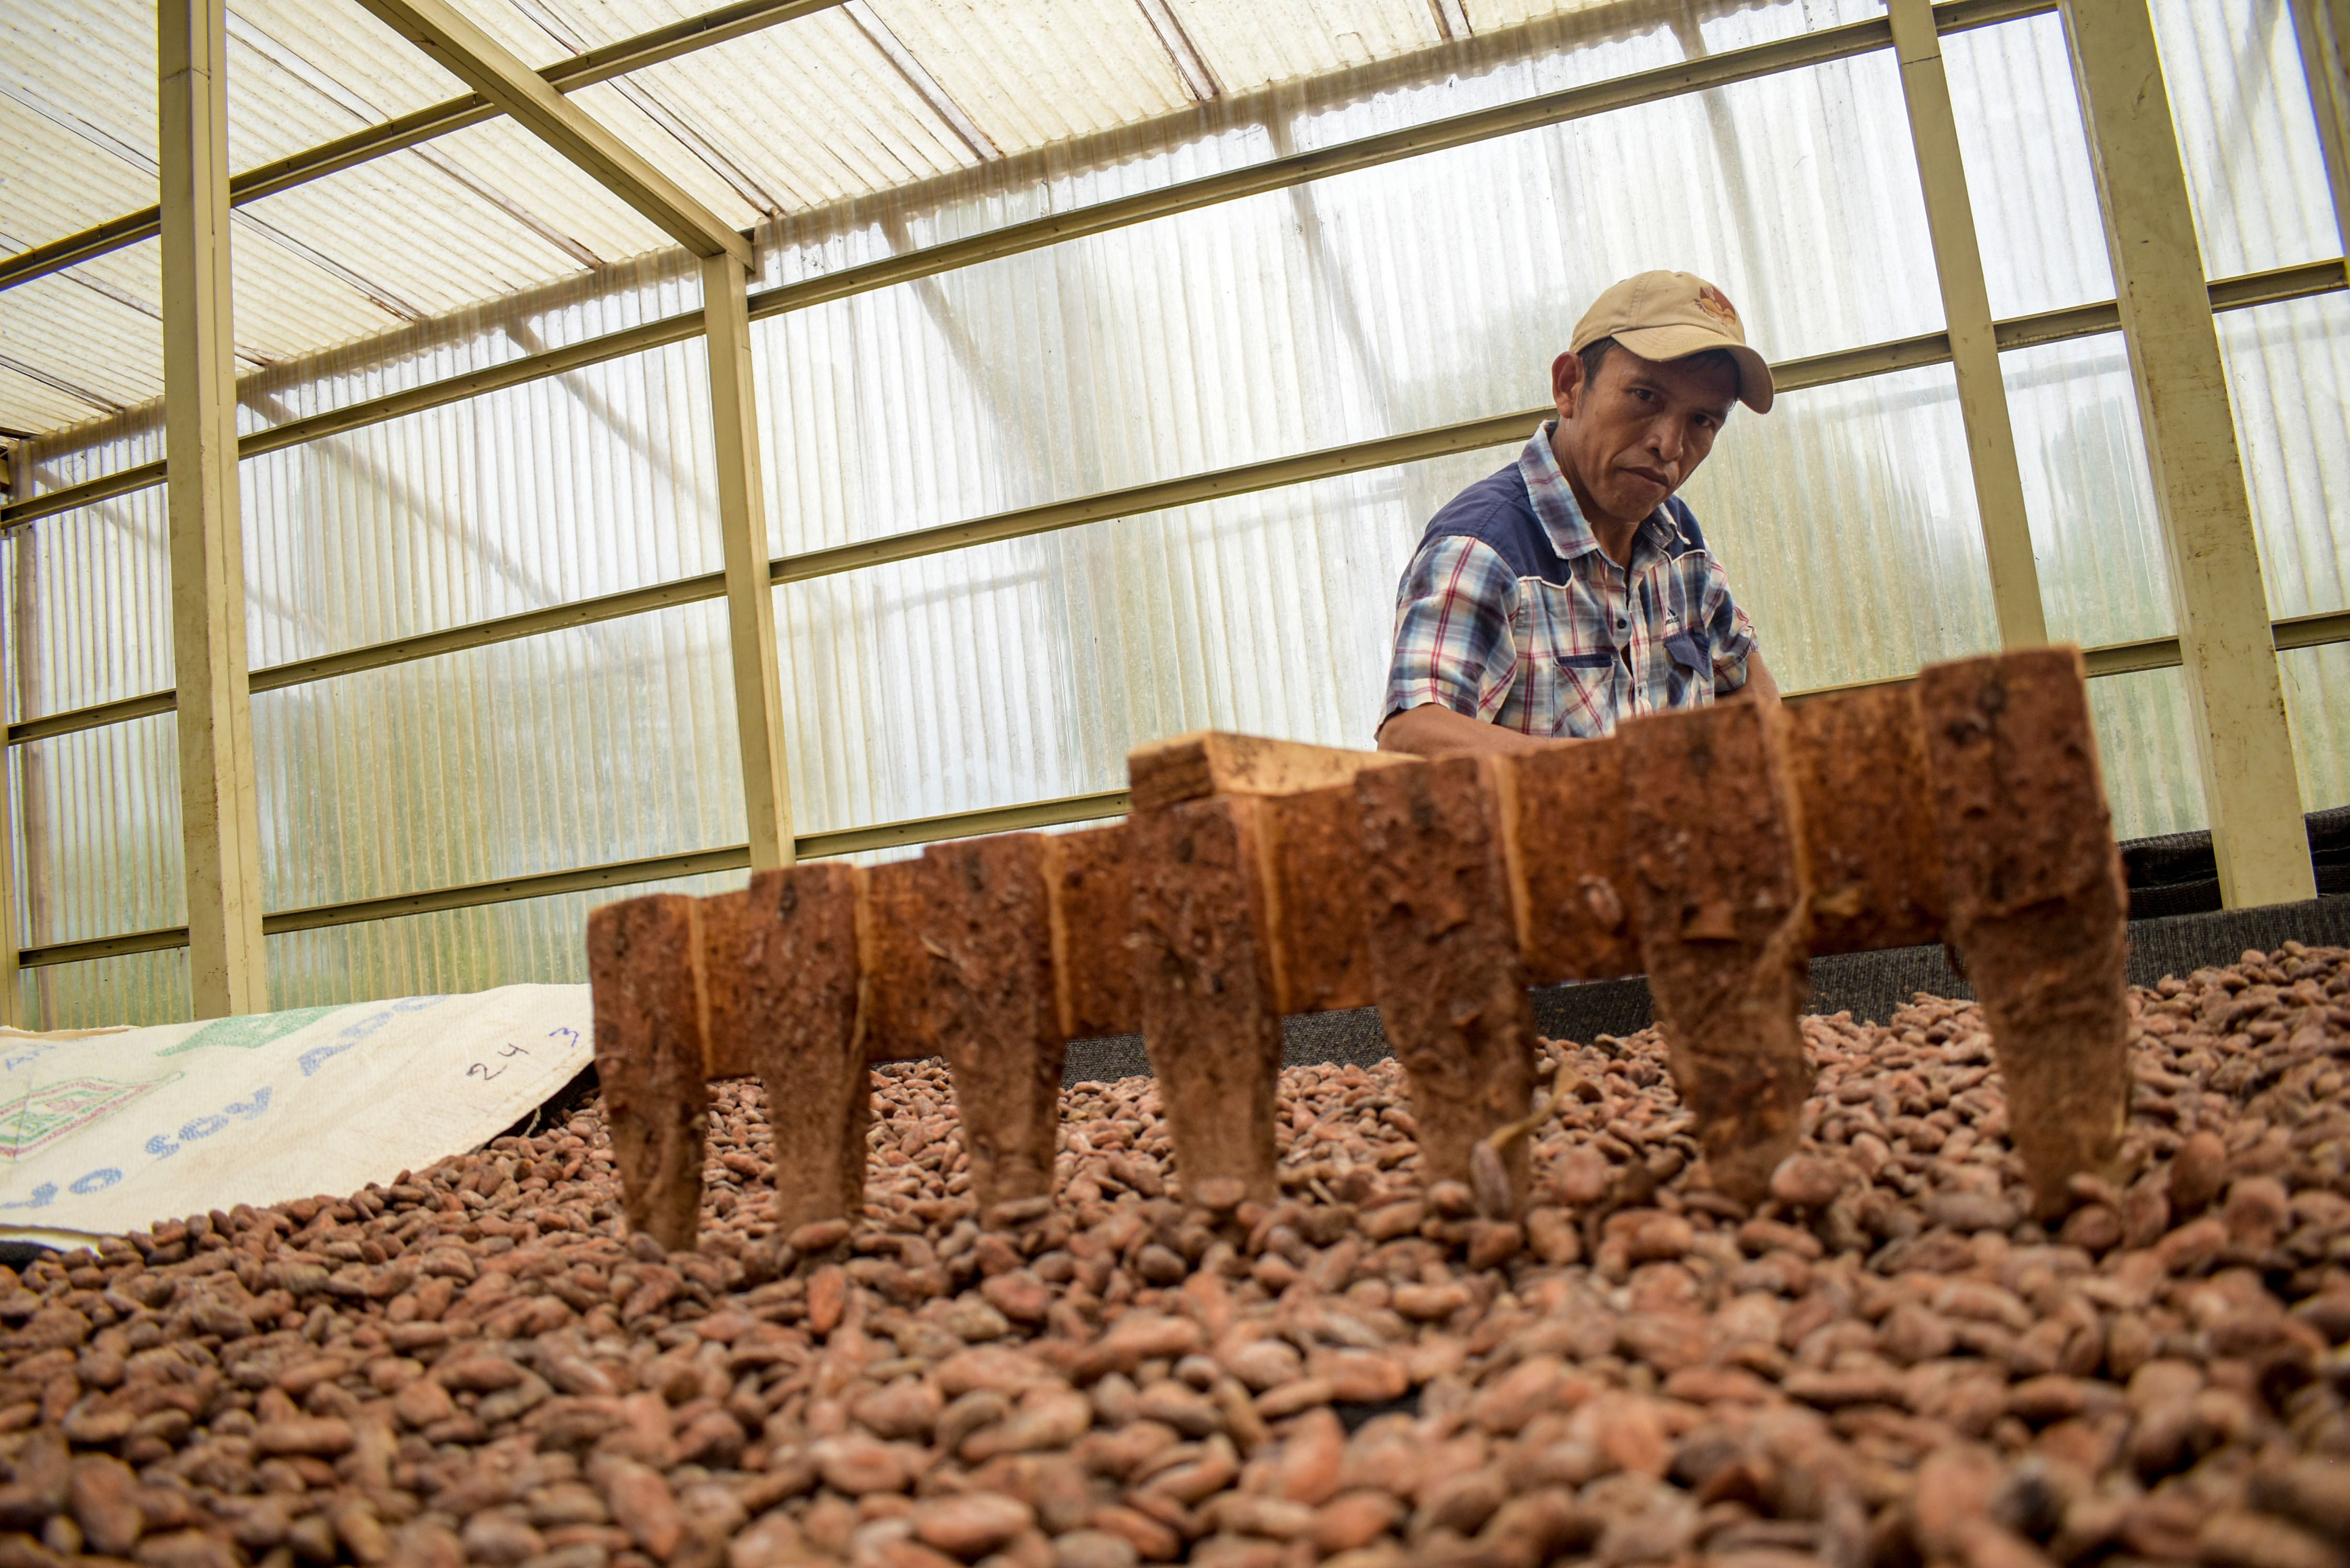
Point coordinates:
[[1897, 1357]]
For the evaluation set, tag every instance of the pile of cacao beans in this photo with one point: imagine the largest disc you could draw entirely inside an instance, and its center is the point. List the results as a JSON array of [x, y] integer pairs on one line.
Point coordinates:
[[1903, 1357]]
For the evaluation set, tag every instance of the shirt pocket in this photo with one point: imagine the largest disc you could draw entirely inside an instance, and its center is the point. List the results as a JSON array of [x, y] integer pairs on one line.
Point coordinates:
[[1689, 681], [1577, 698]]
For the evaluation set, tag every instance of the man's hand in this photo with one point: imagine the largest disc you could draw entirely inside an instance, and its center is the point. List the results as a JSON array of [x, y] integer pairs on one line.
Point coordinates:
[[1432, 730], [1759, 685]]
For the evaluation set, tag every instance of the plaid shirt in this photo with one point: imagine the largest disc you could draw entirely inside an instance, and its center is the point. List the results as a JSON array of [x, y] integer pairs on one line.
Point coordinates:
[[1510, 611]]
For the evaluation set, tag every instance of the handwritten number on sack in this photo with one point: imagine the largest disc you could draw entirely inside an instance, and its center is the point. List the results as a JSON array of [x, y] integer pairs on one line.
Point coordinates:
[[481, 1069]]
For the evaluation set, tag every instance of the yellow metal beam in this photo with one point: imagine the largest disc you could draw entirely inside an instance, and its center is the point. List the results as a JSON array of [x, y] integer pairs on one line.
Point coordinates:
[[483, 64], [30, 774], [12, 911], [1974, 340], [2244, 747], [218, 815], [750, 593]]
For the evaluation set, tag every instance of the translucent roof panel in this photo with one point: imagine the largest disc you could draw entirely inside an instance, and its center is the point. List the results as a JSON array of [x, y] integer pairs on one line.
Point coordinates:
[[492, 197], [814, 110], [464, 232], [85, 340], [1251, 44], [721, 125], [58, 177], [92, 66], [429, 230], [341, 41], [1030, 72], [33, 404]]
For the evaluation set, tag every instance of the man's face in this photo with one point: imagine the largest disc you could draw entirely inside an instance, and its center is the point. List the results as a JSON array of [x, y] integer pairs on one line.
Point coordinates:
[[1639, 430]]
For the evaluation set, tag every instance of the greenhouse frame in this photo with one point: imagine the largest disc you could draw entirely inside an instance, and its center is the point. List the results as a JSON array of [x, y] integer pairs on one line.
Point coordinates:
[[611, 447]]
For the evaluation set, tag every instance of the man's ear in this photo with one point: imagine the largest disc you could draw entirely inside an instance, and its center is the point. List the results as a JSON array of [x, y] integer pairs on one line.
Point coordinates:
[[1566, 382]]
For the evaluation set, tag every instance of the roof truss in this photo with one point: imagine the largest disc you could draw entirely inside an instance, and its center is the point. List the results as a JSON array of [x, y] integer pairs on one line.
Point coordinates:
[[736, 20], [487, 66]]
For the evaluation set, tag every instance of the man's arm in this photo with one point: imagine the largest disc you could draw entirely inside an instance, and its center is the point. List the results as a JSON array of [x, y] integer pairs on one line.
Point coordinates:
[[1734, 645], [1453, 651], [1432, 730]]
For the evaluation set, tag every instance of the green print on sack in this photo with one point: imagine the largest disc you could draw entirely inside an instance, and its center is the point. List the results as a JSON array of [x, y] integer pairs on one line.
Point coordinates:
[[42, 1115], [251, 1032]]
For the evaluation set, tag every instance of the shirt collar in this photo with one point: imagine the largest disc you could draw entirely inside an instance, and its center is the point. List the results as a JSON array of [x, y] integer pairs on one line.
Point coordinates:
[[1561, 518]]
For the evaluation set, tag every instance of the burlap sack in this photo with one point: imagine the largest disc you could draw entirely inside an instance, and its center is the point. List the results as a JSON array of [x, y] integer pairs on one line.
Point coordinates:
[[106, 1131]]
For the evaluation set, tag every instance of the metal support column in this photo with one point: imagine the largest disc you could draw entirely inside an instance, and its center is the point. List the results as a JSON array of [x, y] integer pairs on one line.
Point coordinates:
[[750, 588], [219, 819], [11, 914], [32, 769], [2244, 746], [1975, 343]]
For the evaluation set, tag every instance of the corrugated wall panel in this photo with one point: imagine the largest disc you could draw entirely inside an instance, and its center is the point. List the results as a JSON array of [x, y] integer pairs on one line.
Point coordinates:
[[530, 940], [1846, 521], [2029, 179], [2289, 376], [141, 988], [1384, 301], [2257, 179], [565, 488], [101, 846], [1027, 669], [2104, 574], [2146, 740], [2254, 168], [91, 597], [605, 743], [2317, 701]]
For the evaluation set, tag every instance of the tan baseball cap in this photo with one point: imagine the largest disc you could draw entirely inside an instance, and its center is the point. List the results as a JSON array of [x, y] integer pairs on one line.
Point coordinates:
[[1673, 315]]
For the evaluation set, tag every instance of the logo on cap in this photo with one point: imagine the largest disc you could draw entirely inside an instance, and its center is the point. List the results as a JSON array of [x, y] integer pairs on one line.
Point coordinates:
[[1713, 301]]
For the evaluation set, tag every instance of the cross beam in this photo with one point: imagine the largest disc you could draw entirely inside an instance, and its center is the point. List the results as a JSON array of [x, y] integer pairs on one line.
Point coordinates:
[[489, 69]]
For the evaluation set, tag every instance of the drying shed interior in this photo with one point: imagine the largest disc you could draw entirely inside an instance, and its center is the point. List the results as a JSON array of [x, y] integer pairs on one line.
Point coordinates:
[[499, 489]]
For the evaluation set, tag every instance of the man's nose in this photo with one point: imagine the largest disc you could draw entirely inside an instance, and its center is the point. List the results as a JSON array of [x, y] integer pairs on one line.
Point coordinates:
[[1665, 440]]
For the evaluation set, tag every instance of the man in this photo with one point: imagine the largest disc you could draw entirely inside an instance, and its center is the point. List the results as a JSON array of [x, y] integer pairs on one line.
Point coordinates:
[[1571, 589]]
